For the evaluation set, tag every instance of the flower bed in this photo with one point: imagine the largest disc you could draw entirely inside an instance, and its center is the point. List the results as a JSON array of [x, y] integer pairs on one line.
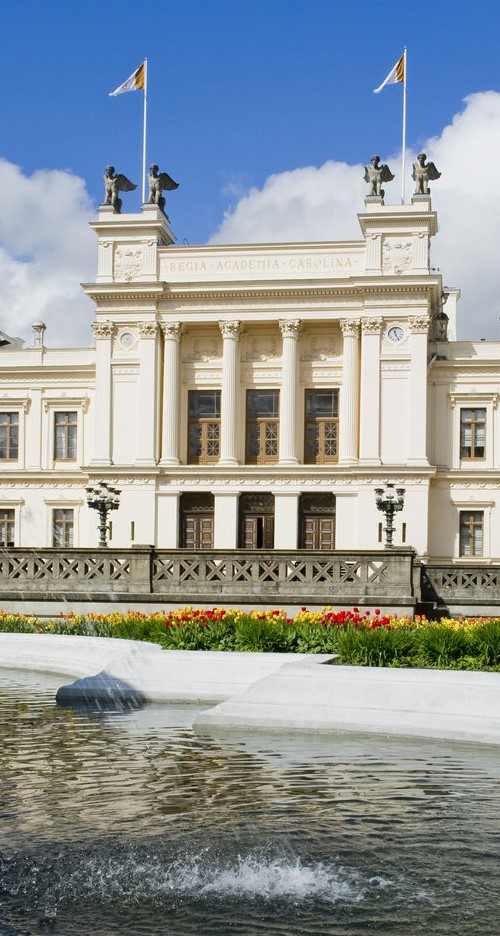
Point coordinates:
[[360, 638]]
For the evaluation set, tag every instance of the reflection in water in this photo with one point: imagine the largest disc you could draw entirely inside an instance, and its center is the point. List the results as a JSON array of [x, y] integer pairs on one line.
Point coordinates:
[[132, 824]]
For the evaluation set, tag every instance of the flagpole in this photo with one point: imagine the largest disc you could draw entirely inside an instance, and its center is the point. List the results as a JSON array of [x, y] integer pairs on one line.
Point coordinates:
[[144, 131], [403, 155]]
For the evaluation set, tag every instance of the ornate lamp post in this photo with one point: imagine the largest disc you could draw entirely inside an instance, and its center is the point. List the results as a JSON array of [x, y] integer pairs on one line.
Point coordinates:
[[389, 502], [103, 498]]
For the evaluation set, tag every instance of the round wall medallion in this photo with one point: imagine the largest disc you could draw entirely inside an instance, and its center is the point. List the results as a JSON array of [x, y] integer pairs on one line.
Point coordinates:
[[395, 334], [126, 339]]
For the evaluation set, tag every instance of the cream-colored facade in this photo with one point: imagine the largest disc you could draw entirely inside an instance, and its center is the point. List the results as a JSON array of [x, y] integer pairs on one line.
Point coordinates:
[[255, 396]]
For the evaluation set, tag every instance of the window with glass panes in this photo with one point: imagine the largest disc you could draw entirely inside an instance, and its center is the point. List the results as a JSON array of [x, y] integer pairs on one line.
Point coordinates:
[[262, 426], [471, 532], [203, 426], [473, 433], [321, 431], [63, 526], [7, 526], [9, 436], [65, 427]]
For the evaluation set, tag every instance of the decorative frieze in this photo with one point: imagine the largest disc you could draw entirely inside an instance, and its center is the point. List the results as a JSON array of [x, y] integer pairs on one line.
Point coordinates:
[[397, 254], [128, 263]]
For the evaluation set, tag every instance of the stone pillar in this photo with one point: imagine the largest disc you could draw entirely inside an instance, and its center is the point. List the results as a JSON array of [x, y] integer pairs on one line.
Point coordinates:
[[103, 332], [369, 442], [288, 395], [349, 394], [286, 520], [148, 396], [225, 520], [170, 430], [230, 333], [417, 437]]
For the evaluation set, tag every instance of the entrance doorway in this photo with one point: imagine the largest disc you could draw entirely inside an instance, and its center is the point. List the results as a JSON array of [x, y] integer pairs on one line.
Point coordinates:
[[256, 521], [197, 521], [317, 521]]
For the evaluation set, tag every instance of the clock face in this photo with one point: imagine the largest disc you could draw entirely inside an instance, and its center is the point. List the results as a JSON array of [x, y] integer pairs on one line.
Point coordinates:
[[395, 333]]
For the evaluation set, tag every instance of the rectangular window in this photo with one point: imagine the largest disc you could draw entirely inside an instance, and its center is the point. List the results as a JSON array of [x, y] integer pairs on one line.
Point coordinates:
[[65, 436], [62, 527], [471, 532], [321, 432], [262, 426], [9, 436], [473, 433], [7, 527], [203, 426]]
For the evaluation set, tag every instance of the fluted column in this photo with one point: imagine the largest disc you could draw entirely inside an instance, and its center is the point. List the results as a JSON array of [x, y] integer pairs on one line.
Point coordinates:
[[146, 452], [170, 429], [230, 334], [349, 394], [417, 440], [369, 442], [103, 332], [288, 395]]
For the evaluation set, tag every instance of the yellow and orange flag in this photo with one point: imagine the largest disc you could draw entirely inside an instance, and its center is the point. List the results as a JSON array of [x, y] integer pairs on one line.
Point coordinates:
[[134, 83], [396, 75]]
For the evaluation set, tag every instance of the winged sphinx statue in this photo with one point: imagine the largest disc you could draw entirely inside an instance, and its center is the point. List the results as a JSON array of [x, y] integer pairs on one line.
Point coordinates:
[[375, 174], [113, 185], [421, 174], [159, 182]]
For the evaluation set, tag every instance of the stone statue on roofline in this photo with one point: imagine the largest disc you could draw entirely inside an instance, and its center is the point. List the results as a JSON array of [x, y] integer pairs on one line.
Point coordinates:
[[421, 174], [113, 185], [159, 182], [375, 174]]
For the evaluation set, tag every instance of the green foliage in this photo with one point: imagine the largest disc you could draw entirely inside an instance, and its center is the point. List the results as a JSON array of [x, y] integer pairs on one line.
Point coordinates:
[[441, 646], [376, 647]]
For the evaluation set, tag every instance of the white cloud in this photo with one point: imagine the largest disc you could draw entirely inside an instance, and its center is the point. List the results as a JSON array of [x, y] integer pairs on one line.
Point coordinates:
[[322, 203], [46, 250]]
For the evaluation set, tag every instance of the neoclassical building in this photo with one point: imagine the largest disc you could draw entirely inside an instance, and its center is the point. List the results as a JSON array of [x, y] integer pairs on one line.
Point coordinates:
[[254, 396]]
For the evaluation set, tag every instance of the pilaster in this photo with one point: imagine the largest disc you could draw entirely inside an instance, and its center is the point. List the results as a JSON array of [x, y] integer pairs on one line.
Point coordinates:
[[369, 443], [417, 441], [103, 333], [170, 429], [148, 396], [349, 394]]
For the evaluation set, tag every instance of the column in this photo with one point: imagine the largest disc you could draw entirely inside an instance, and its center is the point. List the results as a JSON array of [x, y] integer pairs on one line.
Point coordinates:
[[288, 395], [417, 441], [230, 333], [286, 520], [369, 442], [225, 520], [349, 394], [170, 430], [148, 393], [103, 332]]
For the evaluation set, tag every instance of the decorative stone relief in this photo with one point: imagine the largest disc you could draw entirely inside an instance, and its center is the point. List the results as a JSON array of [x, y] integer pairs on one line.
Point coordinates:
[[230, 329], [172, 330], [148, 329], [128, 263], [203, 350], [289, 328], [419, 324], [321, 349], [263, 348], [371, 326], [397, 254], [349, 328], [103, 329]]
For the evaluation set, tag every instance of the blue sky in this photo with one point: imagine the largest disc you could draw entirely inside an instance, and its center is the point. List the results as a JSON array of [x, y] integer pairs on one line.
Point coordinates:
[[239, 91]]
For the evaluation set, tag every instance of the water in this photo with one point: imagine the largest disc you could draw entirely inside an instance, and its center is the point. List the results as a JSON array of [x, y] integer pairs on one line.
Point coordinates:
[[134, 825]]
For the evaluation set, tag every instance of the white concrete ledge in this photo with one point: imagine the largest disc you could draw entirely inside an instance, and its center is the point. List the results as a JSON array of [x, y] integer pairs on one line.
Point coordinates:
[[158, 675], [276, 692], [410, 702]]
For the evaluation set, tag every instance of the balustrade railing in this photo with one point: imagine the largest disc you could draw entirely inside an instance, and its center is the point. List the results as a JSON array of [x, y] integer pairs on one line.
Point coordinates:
[[299, 577]]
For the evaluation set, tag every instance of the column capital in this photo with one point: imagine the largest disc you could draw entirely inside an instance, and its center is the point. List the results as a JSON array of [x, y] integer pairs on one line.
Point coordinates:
[[419, 324], [230, 329], [103, 329], [349, 328], [172, 330], [148, 329], [289, 328], [371, 326]]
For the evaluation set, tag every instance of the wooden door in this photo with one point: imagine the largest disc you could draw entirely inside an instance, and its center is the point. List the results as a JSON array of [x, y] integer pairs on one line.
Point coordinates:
[[198, 531]]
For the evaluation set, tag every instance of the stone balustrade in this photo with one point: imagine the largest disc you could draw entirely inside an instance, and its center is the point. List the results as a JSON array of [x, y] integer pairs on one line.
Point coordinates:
[[347, 579]]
